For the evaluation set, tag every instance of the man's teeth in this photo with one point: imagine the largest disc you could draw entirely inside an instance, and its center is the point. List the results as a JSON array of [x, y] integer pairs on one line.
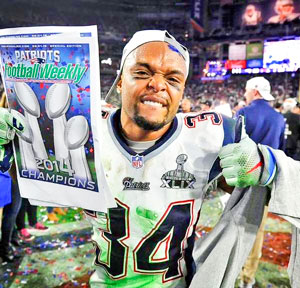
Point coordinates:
[[151, 103]]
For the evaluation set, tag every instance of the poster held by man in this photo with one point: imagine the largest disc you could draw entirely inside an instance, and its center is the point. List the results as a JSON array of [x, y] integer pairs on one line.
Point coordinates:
[[51, 79]]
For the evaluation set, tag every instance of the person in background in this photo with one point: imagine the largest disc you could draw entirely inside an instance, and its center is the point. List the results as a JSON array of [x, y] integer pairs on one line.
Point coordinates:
[[223, 107], [31, 211], [5, 180], [251, 16], [10, 210], [265, 126], [237, 106], [21, 232], [5, 192], [206, 105], [186, 105], [285, 12], [296, 110], [278, 106], [292, 130]]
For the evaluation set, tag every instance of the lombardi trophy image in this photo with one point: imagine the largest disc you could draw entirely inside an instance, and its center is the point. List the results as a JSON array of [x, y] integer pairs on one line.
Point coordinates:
[[76, 135], [58, 100], [29, 102]]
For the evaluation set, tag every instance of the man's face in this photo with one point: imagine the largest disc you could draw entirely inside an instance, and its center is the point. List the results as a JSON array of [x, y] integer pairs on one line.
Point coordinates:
[[250, 10], [287, 9], [152, 85], [205, 107], [186, 105]]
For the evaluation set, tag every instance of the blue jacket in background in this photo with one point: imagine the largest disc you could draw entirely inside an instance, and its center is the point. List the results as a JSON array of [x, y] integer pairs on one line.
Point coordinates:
[[264, 125], [5, 189]]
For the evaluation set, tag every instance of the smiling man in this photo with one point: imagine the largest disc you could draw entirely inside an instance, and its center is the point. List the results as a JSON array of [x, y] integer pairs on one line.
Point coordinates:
[[151, 85], [285, 12], [159, 165]]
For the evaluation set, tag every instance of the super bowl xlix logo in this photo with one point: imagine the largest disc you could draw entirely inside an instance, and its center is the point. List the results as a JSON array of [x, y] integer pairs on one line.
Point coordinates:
[[178, 178]]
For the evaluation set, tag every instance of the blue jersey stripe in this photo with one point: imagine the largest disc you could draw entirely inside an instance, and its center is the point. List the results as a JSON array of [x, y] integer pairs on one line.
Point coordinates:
[[229, 130], [5, 163], [117, 131], [229, 136], [271, 167]]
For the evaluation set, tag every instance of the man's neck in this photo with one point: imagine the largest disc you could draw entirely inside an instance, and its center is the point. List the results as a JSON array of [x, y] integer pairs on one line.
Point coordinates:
[[257, 98], [135, 133]]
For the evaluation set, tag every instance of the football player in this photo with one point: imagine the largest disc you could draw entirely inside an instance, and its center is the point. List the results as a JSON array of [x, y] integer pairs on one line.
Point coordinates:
[[159, 166]]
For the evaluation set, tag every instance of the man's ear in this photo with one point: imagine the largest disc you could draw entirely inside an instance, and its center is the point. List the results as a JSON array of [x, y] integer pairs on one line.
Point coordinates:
[[119, 86], [257, 94]]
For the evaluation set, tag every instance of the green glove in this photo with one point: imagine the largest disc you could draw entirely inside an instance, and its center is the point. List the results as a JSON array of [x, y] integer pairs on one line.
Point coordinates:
[[9, 124], [245, 163]]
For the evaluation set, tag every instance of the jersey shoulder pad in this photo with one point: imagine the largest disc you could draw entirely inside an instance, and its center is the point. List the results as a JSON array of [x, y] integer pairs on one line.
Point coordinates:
[[192, 119], [229, 129]]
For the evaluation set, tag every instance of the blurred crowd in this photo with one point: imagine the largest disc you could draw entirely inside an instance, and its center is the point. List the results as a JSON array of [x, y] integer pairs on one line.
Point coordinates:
[[232, 90]]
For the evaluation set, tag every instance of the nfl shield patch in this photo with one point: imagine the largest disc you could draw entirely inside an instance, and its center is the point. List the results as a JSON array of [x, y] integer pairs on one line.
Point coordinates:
[[137, 161]]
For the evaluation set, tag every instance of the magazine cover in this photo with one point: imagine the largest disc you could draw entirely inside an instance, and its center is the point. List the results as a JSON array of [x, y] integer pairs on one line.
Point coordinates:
[[47, 78]]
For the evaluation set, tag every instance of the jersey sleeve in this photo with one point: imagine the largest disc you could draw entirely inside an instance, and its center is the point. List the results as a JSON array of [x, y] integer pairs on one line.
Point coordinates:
[[6, 157], [228, 125]]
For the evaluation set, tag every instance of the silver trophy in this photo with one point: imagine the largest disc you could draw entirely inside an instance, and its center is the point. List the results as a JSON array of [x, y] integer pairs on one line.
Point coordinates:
[[29, 102], [76, 135], [58, 100]]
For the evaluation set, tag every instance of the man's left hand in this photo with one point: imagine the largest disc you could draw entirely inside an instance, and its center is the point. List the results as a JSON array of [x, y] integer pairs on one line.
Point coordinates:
[[244, 163]]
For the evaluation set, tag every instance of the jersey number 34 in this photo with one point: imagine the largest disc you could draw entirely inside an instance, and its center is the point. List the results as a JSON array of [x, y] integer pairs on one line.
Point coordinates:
[[171, 232]]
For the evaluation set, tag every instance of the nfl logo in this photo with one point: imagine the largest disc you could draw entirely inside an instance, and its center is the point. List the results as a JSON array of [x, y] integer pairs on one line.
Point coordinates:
[[137, 161]]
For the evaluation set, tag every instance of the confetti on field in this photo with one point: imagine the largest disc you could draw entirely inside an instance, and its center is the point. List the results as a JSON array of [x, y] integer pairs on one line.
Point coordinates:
[[62, 256]]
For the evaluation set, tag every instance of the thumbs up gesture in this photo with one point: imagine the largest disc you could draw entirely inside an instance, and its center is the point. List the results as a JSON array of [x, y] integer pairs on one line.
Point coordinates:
[[245, 163]]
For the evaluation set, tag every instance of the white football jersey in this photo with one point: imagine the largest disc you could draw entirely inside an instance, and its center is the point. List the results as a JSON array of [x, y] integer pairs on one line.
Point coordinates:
[[147, 241]]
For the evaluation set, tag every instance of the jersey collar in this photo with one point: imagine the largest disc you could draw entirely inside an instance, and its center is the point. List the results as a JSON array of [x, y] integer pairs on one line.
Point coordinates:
[[116, 133]]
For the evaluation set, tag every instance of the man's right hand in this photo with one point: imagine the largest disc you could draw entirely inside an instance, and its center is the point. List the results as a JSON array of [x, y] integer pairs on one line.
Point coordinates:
[[9, 124]]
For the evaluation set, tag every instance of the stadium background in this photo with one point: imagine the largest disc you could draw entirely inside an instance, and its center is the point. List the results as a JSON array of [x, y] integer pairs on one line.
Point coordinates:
[[221, 62]]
